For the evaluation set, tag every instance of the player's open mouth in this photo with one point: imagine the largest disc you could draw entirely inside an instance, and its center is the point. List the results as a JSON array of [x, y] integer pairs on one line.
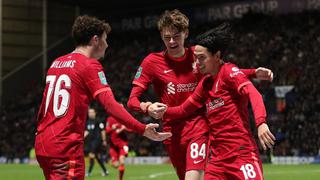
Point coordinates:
[[174, 47]]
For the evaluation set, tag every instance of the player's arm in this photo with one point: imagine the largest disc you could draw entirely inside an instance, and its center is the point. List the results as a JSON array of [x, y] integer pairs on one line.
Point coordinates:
[[155, 110], [103, 133], [187, 108], [134, 103], [265, 136], [86, 133], [259, 73], [104, 138], [113, 108], [108, 128], [97, 84], [144, 77], [120, 129]]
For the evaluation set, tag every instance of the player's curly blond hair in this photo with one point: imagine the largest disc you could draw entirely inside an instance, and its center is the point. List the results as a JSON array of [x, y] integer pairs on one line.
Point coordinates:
[[173, 19], [85, 27]]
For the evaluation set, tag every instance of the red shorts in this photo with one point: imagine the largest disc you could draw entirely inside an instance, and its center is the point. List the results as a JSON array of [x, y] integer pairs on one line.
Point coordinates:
[[116, 151], [242, 167], [62, 168], [189, 156]]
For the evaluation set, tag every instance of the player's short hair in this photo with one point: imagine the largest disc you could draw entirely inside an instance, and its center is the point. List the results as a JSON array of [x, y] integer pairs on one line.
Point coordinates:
[[85, 27], [216, 39], [173, 19]]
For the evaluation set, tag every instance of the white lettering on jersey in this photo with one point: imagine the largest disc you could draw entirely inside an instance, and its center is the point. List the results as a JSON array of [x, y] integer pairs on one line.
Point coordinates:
[[218, 102], [170, 88], [63, 64], [236, 71], [188, 87]]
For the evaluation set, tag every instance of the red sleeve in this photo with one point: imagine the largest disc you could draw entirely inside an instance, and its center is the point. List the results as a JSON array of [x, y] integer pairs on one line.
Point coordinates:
[[250, 73], [234, 77], [144, 75], [108, 130], [95, 78], [257, 104], [113, 108], [134, 102], [184, 110], [199, 95]]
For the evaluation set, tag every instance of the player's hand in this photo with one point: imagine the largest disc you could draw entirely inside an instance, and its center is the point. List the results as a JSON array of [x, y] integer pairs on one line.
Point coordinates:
[[114, 126], [264, 74], [157, 110], [144, 105], [151, 133], [266, 138]]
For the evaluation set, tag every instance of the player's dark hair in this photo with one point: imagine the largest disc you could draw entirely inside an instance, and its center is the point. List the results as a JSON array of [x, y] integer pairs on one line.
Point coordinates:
[[216, 39], [173, 19], [85, 27]]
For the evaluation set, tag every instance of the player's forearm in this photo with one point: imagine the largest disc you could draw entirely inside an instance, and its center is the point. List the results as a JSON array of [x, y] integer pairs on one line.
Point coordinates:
[[134, 102], [103, 136], [114, 109], [257, 104], [86, 133], [184, 110], [250, 73]]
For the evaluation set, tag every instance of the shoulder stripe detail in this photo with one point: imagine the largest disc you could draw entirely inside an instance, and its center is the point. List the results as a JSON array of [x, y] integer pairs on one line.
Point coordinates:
[[243, 84], [100, 91], [139, 84]]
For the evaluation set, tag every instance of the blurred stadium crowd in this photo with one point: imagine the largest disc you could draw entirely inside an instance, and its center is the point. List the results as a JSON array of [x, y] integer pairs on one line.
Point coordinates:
[[287, 44]]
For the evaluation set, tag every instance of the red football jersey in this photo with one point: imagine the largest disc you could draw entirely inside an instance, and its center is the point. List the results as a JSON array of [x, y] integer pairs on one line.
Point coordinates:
[[227, 112], [174, 80], [72, 82], [118, 139]]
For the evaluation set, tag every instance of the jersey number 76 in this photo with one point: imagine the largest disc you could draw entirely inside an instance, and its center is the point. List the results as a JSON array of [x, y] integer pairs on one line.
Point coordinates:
[[60, 107]]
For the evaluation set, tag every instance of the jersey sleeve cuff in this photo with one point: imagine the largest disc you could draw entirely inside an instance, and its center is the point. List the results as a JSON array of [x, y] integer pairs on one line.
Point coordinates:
[[141, 128], [260, 121], [196, 103]]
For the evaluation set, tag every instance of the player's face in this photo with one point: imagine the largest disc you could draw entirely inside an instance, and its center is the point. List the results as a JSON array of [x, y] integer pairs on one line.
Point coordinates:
[[100, 45], [91, 114], [174, 41], [206, 61]]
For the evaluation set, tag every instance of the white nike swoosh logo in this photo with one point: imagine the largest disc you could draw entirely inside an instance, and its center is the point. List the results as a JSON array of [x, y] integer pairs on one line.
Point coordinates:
[[196, 162], [166, 71]]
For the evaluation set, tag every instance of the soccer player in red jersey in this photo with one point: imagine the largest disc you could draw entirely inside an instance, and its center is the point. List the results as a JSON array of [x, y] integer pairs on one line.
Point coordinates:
[[73, 81], [225, 91], [118, 144], [174, 79]]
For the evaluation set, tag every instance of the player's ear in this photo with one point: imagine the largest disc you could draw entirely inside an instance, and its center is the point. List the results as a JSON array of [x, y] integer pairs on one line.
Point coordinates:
[[94, 40], [218, 54], [187, 34]]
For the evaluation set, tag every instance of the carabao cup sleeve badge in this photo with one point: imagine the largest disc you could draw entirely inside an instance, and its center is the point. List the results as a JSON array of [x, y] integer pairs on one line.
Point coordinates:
[[102, 78], [138, 74]]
